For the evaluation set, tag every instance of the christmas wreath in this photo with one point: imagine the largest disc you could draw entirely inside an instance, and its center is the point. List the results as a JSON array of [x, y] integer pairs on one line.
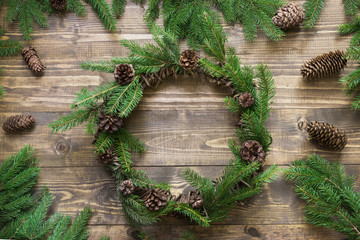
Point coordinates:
[[107, 107]]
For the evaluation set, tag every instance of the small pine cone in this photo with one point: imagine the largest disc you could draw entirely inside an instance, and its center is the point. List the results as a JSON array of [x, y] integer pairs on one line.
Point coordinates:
[[156, 199], [124, 73], [189, 60], [252, 151], [288, 16], [107, 157], [324, 65], [58, 4], [32, 59], [18, 123], [327, 135], [192, 198], [245, 100], [127, 187], [108, 123]]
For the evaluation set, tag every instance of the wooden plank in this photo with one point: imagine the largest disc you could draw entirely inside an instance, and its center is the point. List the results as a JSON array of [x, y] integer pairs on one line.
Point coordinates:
[[77, 187], [243, 232]]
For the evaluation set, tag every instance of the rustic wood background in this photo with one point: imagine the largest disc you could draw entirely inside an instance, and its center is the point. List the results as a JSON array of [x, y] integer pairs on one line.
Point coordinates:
[[183, 123]]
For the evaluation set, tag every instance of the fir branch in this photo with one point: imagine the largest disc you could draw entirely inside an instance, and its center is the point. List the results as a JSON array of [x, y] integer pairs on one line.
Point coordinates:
[[193, 214], [351, 7], [70, 121], [134, 143], [232, 105], [102, 66], [118, 7], [331, 200], [122, 150], [103, 142], [10, 47], [24, 215], [312, 12], [76, 6], [2, 91], [103, 10], [204, 185]]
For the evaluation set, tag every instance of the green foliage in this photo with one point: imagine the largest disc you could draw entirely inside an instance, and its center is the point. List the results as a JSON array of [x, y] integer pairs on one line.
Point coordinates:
[[103, 10], [186, 17], [10, 48], [254, 15], [2, 91], [312, 12], [331, 201], [352, 80], [24, 215]]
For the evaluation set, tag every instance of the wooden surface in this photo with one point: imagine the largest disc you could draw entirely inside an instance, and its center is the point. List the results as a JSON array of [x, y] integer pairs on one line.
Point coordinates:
[[183, 123]]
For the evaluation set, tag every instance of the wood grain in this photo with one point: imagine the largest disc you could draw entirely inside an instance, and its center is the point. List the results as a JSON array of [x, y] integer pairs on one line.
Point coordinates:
[[183, 122]]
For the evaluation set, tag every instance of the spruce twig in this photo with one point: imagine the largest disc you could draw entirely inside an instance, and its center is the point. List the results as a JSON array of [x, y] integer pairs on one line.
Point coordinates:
[[331, 201]]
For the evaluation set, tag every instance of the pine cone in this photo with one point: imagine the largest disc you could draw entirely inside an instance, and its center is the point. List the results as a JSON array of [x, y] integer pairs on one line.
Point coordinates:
[[324, 65], [252, 151], [189, 60], [192, 198], [155, 199], [32, 59], [58, 4], [245, 100], [109, 123], [127, 187], [107, 157], [18, 123], [124, 73], [288, 16], [327, 135]]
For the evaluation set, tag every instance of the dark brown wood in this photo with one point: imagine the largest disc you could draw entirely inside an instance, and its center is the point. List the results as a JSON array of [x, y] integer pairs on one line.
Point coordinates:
[[183, 123]]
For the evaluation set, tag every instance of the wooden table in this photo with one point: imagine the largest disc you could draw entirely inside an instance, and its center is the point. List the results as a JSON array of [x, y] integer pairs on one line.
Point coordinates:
[[183, 123]]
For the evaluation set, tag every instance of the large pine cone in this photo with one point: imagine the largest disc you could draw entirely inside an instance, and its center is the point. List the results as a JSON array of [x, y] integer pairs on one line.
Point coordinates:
[[245, 100], [288, 16], [32, 59], [18, 123], [108, 123], [127, 187], [252, 151], [58, 4], [327, 135], [324, 65], [156, 199], [124, 73], [189, 60], [107, 157], [192, 198]]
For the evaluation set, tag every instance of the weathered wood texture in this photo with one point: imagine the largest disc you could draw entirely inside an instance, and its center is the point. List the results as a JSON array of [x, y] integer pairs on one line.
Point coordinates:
[[182, 122]]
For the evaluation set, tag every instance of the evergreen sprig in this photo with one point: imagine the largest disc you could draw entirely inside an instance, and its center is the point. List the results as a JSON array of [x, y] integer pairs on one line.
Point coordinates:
[[352, 80], [23, 214], [153, 63], [331, 201], [8, 48], [313, 10], [185, 17], [26, 13]]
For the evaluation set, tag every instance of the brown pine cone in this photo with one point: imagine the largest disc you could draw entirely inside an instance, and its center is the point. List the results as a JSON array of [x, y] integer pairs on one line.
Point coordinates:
[[32, 59], [252, 151], [58, 4], [124, 73], [189, 60], [288, 16], [156, 199], [108, 123], [245, 100], [327, 135], [18, 123], [324, 65], [127, 187], [107, 157], [192, 198]]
